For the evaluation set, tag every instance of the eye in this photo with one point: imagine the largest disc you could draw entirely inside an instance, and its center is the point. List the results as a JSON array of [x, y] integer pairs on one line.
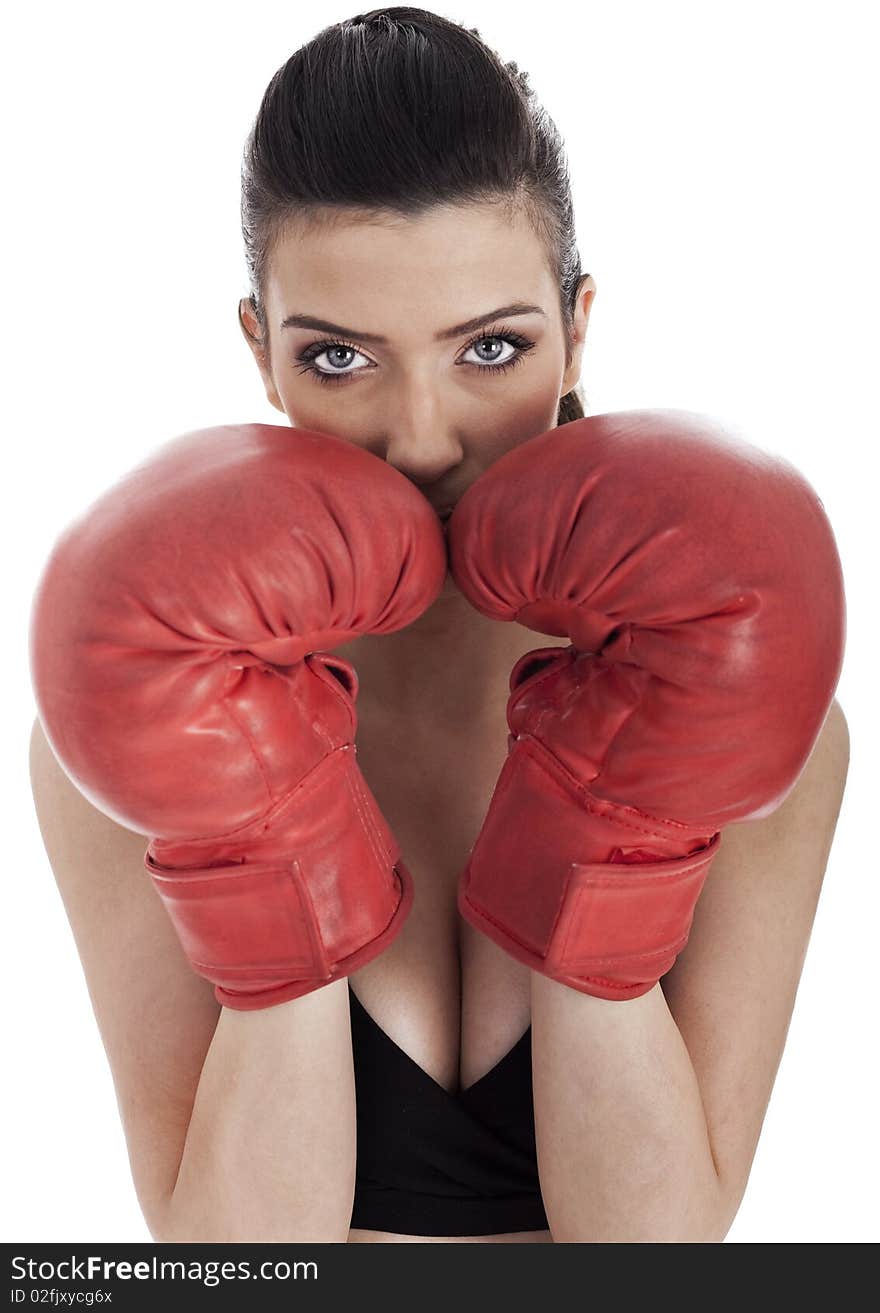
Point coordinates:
[[339, 356], [496, 344], [499, 338]]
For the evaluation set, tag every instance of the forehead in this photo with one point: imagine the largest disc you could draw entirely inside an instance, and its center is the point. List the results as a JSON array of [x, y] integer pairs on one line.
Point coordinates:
[[442, 265]]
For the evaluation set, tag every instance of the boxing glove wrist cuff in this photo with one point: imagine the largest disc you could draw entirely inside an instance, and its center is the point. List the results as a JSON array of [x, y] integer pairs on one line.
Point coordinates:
[[619, 929], [592, 893], [307, 895]]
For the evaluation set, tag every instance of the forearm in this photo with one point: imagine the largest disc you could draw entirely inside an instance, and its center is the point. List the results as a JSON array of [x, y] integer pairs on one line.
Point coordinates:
[[623, 1148], [270, 1150]]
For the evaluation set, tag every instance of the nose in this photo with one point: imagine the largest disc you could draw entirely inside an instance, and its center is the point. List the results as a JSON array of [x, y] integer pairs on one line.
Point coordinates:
[[420, 433], [426, 455]]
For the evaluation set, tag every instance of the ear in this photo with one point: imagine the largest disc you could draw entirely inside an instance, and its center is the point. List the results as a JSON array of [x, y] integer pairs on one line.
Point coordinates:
[[583, 305], [250, 328]]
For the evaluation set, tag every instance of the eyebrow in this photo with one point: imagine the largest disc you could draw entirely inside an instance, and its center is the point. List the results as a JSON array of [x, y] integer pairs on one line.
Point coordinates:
[[503, 312]]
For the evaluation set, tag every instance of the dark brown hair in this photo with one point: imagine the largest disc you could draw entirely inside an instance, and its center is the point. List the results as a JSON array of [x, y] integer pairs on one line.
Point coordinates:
[[400, 110]]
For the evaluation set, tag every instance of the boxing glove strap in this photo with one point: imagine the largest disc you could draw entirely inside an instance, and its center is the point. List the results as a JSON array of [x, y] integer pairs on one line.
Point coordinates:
[[627, 918], [583, 889], [313, 893]]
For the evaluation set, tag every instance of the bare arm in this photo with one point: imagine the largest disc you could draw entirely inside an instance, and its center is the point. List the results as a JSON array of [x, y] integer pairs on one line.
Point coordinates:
[[239, 1126], [270, 1148], [648, 1112]]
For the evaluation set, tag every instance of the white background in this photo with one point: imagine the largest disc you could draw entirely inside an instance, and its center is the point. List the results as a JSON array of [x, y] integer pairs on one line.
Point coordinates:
[[723, 158]]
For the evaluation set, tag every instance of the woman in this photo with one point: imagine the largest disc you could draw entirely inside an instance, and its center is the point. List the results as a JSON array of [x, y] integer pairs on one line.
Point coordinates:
[[416, 292]]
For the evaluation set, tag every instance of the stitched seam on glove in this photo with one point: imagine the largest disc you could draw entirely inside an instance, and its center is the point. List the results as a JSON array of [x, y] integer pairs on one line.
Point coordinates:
[[633, 959], [309, 781], [682, 870], [357, 791], [646, 959], [615, 984], [249, 739], [621, 812]]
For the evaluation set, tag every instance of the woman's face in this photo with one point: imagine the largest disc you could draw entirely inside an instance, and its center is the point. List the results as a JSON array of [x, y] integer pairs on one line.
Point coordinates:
[[407, 355]]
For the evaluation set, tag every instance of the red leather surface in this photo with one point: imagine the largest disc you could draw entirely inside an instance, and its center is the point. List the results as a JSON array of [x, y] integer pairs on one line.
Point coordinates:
[[698, 581], [176, 637]]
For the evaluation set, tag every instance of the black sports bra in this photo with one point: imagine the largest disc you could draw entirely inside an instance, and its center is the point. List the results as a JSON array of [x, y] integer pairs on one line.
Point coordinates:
[[434, 1163]]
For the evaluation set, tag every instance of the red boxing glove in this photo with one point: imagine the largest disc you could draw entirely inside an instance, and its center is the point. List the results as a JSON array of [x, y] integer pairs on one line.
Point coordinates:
[[175, 652], [698, 580]]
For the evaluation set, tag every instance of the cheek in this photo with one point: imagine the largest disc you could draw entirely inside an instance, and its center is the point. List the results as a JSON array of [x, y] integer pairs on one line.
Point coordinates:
[[315, 416], [533, 416], [304, 405], [527, 407], [538, 408], [519, 410]]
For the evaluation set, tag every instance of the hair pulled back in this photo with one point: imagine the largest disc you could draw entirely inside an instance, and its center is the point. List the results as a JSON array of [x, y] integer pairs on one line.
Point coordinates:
[[402, 110]]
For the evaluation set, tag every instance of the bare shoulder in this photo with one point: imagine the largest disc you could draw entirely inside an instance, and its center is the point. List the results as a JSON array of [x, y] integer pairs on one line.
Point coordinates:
[[155, 1015], [733, 988], [824, 776], [836, 729]]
